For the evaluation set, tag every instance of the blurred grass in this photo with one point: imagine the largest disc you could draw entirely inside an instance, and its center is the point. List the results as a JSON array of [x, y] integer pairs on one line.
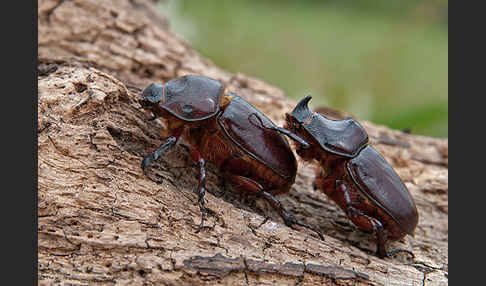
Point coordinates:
[[383, 61]]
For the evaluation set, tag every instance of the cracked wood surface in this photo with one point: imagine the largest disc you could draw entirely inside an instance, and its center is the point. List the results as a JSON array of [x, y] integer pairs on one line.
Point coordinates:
[[101, 222]]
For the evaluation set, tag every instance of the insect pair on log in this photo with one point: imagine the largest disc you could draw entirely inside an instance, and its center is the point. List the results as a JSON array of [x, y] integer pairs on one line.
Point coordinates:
[[251, 153]]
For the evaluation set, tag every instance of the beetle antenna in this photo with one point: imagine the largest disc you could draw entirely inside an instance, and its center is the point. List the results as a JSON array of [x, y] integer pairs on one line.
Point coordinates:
[[292, 136], [284, 131]]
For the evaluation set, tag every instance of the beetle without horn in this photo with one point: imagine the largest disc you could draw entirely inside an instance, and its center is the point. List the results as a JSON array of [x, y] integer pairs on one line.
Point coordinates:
[[224, 129]]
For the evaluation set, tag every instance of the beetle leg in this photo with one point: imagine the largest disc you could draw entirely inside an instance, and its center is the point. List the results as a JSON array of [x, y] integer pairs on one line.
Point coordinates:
[[380, 235], [153, 117], [396, 251], [367, 223], [201, 186], [363, 221], [284, 131], [166, 145], [288, 218], [248, 185], [381, 250], [304, 145]]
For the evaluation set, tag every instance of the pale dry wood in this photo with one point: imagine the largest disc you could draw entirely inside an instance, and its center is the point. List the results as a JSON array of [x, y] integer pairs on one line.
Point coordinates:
[[101, 222]]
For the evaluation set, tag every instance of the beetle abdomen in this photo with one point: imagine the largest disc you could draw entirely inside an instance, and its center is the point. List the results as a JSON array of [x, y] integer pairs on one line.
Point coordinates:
[[247, 127], [342, 137], [192, 97], [381, 184]]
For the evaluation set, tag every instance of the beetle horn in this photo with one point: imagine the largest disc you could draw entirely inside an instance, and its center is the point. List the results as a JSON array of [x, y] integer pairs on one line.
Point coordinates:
[[301, 111]]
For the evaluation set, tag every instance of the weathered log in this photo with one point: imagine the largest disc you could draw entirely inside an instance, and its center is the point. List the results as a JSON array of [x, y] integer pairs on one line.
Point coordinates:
[[102, 222]]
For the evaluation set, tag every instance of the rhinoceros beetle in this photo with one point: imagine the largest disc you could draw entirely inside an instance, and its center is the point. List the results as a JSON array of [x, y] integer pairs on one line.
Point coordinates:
[[224, 129], [354, 175]]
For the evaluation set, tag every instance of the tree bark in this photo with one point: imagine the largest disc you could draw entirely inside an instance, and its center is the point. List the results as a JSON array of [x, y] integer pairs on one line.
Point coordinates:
[[102, 222]]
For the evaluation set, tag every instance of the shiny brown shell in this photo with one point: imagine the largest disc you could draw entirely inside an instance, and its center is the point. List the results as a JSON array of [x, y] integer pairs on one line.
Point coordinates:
[[382, 185], [248, 128]]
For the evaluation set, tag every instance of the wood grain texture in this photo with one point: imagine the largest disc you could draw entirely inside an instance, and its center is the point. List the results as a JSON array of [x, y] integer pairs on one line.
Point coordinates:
[[101, 222]]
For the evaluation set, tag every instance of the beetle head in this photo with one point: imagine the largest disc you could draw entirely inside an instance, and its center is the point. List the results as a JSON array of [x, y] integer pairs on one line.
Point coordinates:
[[151, 95]]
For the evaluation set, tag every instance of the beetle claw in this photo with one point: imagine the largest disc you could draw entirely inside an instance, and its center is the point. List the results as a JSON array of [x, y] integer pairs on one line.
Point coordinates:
[[313, 229], [146, 161], [201, 225], [291, 221], [153, 117], [158, 182], [201, 201], [396, 251]]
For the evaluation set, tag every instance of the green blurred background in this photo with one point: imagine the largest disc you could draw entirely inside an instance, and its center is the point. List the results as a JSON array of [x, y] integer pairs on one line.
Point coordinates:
[[384, 61]]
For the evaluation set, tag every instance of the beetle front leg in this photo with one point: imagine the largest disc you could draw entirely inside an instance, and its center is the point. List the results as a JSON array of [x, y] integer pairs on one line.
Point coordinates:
[[166, 145], [201, 186]]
